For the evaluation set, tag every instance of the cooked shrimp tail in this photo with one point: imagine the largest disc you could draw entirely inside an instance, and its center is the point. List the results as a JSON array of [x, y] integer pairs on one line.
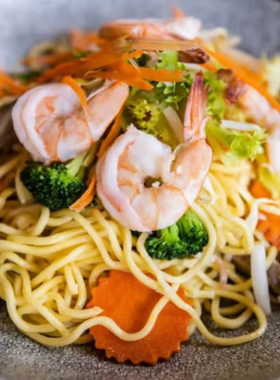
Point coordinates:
[[195, 116]]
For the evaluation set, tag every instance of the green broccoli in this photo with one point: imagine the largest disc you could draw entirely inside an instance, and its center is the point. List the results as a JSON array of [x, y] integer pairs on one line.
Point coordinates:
[[183, 239], [56, 186]]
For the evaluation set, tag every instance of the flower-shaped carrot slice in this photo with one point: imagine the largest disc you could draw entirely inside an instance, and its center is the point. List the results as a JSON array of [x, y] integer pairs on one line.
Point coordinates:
[[129, 303]]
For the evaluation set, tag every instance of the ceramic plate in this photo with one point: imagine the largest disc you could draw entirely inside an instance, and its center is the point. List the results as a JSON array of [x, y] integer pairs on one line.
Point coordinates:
[[25, 22]]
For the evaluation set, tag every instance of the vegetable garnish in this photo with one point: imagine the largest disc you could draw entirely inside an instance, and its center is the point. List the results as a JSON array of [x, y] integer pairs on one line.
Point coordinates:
[[81, 40], [234, 144], [77, 89], [86, 197], [57, 186], [269, 225], [183, 239], [245, 74], [11, 85], [129, 303], [112, 135]]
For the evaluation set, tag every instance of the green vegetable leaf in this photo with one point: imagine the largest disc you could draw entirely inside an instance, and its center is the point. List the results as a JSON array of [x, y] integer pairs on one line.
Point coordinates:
[[144, 112], [232, 144], [216, 105]]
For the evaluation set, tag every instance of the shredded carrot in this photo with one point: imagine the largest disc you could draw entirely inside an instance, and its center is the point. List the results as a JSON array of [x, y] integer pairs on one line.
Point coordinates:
[[270, 226], [77, 89], [50, 59], [91, 62], [132, 81], [86, 198], [129, 303], [11, 85], [112, 135], [177, 12], [246, 75], [209, 66], [258, 190], [133, 54]]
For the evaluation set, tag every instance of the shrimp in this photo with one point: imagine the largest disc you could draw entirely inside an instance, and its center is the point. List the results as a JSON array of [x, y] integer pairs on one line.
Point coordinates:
[[152, 29], [135, 156], [258, 109], [53, 126]]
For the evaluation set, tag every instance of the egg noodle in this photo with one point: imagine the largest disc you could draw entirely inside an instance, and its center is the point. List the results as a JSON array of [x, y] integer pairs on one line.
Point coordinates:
[[49, 261]]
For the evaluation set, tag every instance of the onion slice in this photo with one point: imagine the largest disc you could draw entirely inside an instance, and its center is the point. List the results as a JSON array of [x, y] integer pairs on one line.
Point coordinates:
[[259, 277], [175, 122], [238, 126]]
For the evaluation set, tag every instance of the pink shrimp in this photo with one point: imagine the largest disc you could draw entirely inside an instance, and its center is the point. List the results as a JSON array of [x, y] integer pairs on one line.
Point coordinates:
[[136, 156], [53, 126], [161, 30]]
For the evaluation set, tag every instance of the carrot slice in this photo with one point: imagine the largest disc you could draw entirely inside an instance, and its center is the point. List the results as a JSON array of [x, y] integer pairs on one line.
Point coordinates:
[[81, 40], [11, 85], [86, 198], [77, 89], [129, 303], [112, 135], [245, 74]]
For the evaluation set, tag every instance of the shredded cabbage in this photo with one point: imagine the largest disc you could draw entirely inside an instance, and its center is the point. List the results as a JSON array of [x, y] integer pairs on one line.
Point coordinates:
[[235, 145]]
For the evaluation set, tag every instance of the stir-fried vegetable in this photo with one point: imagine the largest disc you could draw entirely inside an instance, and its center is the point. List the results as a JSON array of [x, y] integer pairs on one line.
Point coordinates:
[[185, 238], [233, 144], [57, 186]]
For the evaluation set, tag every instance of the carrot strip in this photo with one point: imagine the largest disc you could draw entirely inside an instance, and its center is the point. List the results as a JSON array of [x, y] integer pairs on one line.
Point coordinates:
[[177, 12], [112, 135], [258, 190], [245, 74], [86, 198], [12, 86], [129, 303], [149, 73], [270, 226], [77, 89], [82, 65], [209, 66], [132, 81], [134, 54], [81, 40]]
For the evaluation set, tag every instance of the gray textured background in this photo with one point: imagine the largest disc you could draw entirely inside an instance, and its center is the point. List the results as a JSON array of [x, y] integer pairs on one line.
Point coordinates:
[[25, 22]]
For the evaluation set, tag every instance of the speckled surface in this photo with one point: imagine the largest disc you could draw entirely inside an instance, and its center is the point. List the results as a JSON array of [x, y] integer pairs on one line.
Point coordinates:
[[24, 22]]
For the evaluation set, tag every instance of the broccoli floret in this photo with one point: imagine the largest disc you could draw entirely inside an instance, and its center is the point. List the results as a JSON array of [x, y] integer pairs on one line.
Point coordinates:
[[183, 239], [56, 186]]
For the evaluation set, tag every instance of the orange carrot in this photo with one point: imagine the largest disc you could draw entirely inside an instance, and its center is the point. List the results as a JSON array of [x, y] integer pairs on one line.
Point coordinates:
[[82, 40], [270, 226], [82, 65], [245, 74], [133, 54], [132, 81], [86, 198], [112, 135], [11, 85], [129, 303], [177, 12], [77, 89], [209, 66], [258, 190]]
